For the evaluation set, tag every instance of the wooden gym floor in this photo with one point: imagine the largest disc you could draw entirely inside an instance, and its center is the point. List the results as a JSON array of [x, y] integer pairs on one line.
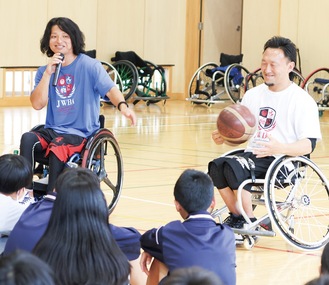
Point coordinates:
[[168, 139]]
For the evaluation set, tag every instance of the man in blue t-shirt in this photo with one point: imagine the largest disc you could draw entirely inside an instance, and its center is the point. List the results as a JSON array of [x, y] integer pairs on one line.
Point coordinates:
[[72, 101]]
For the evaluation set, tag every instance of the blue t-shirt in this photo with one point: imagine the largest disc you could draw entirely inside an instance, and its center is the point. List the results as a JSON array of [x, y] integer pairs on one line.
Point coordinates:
[[73, 105]]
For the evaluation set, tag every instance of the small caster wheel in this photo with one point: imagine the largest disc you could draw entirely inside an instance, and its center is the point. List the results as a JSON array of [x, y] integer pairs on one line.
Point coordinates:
[[248, 242]]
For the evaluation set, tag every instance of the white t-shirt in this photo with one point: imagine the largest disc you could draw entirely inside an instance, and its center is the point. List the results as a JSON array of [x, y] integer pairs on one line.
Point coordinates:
[[11, 210], [289, 115]]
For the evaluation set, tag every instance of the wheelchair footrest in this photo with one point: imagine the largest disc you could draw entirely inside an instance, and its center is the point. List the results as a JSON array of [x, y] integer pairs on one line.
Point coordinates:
[[247, 232]]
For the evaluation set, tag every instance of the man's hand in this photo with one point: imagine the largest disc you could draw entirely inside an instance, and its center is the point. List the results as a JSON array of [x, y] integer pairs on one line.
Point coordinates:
[[129, 114], [145, 262], [268, 148], [217, 138]]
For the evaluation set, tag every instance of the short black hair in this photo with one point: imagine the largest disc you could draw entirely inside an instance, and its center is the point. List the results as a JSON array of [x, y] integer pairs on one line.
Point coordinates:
[[69, 27], [286, 45], [24, 268], [194, 190], [15, 173]]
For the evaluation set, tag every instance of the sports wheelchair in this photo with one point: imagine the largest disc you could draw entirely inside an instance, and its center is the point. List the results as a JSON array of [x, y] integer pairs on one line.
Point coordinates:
[[295, 195], [124, 75], [212, 84], [101, 155], [317, 85], [150, 78]]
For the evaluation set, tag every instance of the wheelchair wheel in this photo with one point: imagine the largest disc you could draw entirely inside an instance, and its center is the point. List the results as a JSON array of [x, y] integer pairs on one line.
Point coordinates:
[[200, 86], [256, 78], [129, 76], [152, 84], [113, 73], [296, 196], [235, 81], [102, 155], [317, 85]]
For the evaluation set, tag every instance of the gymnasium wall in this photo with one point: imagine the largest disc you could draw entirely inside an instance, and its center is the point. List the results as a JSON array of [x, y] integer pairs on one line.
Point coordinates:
[[155, 29], [304, 22]]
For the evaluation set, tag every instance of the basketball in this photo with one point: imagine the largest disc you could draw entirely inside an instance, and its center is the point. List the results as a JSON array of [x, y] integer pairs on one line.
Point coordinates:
[[236, 124]]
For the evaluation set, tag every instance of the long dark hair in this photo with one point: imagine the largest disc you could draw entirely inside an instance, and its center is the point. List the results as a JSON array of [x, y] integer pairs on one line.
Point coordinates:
[[69, 27], [78, 243]]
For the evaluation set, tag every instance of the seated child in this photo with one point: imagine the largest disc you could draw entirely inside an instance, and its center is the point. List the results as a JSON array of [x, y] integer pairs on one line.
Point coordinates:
[[15, 175], [197, 241]]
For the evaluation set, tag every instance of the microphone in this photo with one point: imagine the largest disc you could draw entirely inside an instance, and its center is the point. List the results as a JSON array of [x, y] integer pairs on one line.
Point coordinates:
[[58, 69]]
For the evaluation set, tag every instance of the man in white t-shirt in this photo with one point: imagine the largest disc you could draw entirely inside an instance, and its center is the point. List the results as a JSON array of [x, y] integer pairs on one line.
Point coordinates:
[[15, 174], [287, 124]]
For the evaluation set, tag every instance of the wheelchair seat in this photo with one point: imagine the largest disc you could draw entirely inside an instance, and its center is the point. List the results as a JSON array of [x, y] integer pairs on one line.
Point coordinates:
[[295, 194], [101, 155]]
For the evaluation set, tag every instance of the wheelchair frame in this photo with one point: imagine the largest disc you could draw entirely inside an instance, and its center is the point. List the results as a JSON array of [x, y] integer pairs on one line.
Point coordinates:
[[99, 146], [256, 78], [148, 78], [226, 81], [317, 85], [293, 203]]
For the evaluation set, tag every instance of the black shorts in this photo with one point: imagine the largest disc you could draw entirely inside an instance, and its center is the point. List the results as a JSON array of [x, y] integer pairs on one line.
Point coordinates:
[[62, 145], [230, 171]]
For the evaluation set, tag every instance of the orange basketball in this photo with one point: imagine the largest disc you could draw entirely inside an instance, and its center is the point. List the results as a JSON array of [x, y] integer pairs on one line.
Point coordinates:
[[236, 124]]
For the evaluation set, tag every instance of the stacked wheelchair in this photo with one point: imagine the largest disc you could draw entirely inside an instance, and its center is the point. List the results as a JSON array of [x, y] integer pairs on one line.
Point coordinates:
[[295, 194]]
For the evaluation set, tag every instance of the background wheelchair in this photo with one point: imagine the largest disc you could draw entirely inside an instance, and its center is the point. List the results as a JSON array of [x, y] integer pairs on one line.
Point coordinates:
[[101, 155], [256, 78], [125, 76], [317, 85], [212, 84], [151, 83], [295, 195]]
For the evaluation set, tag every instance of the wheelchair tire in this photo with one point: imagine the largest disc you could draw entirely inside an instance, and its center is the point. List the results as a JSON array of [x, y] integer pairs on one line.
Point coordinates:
[[256, 78], [152, 85], [200, 86], [316, 84], [297, 202], [129, 76], [116, 78], [235, 81], [102, 156]]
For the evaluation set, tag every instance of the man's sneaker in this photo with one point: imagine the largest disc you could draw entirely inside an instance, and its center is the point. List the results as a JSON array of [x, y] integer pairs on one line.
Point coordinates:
[[234, 221]]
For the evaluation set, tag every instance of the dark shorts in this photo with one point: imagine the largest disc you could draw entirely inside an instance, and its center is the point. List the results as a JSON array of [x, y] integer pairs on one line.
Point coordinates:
[[62, 145], [230, 171]]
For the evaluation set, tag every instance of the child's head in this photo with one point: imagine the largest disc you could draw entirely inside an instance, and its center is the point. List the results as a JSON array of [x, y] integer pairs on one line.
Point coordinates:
[[15, 173], [194, 190]]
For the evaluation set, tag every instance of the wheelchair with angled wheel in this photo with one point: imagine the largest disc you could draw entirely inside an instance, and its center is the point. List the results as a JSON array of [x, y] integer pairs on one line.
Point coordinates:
[[256, 78], [101, 155], [212, 83], [317, 85], [151, 85], [125, 75], [295, 199]]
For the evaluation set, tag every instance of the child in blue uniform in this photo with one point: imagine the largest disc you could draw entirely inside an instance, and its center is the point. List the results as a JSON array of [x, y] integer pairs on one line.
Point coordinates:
[[198, 241]]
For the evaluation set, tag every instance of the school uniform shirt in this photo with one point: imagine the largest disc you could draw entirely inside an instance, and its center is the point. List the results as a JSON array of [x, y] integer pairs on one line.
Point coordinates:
[[34, 221], [198, 241], [10, 212]]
